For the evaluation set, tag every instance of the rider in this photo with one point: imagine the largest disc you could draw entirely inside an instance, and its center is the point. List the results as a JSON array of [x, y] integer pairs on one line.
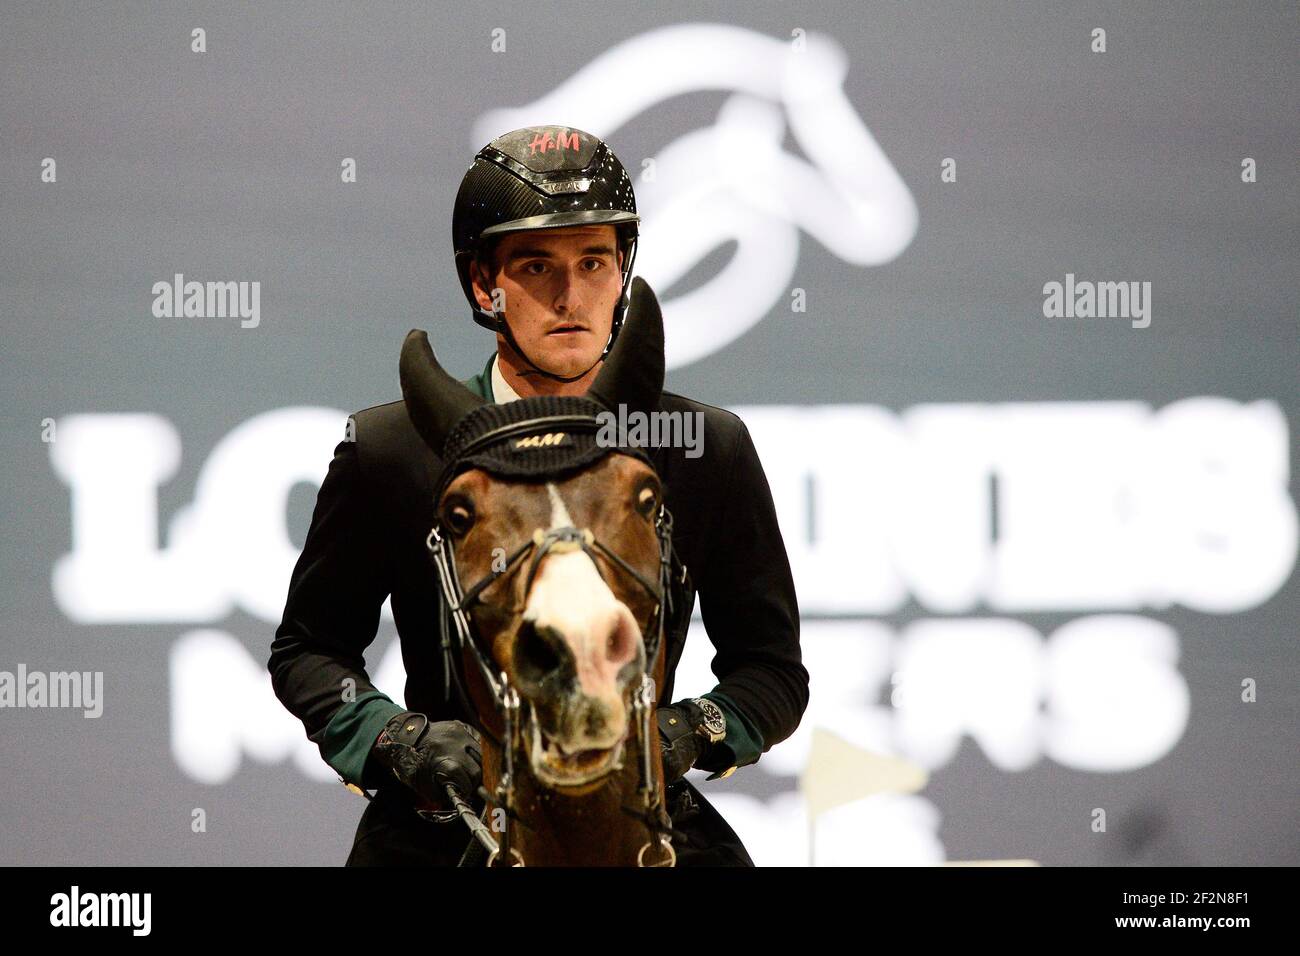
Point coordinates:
[[538, 198]]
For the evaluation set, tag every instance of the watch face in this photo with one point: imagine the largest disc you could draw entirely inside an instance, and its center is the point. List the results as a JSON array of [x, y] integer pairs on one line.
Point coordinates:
[[714, 722]]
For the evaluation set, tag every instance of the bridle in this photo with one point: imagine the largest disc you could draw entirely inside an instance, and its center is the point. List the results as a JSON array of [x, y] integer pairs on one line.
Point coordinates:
[[457, 602]]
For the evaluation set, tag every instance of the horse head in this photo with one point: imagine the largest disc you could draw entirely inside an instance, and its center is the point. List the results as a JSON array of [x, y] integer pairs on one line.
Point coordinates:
[[552, 544]]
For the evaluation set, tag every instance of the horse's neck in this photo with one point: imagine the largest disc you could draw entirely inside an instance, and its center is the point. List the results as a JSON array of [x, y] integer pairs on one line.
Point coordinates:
[[554, 829]]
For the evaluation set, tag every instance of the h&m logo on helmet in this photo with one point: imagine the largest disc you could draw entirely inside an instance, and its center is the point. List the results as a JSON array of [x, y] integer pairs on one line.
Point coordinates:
[[544, 141], [549, 440]]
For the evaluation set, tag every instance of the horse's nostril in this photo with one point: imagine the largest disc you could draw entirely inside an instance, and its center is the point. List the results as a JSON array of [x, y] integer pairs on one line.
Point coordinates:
[[539, 653], [619, 644]]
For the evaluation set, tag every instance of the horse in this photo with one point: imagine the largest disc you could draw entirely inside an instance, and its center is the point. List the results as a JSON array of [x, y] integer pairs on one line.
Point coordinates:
[[555, 646]]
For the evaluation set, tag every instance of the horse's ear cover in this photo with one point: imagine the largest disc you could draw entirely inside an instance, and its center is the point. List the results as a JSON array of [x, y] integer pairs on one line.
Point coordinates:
[[541, 453]]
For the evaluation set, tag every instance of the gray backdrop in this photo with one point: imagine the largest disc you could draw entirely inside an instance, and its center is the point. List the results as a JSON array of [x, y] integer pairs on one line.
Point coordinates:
[[1122, 165]]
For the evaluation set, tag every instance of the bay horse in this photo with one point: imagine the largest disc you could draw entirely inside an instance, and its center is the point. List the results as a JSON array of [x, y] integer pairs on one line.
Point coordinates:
[[553, 553]]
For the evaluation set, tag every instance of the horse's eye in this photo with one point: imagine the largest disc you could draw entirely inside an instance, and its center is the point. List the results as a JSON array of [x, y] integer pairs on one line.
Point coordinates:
[[647, 502], [458, 518]]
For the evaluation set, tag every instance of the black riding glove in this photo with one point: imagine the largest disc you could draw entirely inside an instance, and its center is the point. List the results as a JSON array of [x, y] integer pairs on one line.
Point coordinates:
[[427, 755], [679, 742]]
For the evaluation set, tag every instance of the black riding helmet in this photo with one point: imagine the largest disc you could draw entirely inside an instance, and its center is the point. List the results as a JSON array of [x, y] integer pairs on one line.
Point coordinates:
[[542, 177]]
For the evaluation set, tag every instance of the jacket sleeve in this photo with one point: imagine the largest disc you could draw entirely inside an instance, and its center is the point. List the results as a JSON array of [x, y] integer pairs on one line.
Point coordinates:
[[751, 614], [330, 617]]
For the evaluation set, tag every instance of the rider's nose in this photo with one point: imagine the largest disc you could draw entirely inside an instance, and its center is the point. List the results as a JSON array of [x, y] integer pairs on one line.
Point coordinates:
[[568, 296]]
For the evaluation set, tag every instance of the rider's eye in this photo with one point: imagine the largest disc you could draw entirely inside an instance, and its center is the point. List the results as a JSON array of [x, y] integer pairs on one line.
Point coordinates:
[[458, 517], [647, 502]]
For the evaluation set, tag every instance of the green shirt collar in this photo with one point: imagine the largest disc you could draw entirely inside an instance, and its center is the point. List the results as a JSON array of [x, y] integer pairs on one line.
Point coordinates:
[[481, 384]]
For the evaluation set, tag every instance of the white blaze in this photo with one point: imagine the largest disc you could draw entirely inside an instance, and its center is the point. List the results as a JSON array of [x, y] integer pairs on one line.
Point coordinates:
[[570, 597]]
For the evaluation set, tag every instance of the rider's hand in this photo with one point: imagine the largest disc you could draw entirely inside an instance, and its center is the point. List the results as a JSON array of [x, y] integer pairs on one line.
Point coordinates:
[[426, 756], [679, 743]]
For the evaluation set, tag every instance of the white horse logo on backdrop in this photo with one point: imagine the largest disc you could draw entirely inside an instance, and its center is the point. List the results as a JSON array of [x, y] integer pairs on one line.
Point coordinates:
[[733, 181]]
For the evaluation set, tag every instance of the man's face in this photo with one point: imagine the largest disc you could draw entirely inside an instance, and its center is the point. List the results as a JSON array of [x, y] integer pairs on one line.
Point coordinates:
[[560, 287]]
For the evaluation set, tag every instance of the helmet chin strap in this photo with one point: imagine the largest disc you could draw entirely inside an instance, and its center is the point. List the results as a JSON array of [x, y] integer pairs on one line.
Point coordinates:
[[504, 328]]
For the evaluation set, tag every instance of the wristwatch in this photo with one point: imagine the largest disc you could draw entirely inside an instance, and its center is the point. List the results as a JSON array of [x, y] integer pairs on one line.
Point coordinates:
[[713, 725]]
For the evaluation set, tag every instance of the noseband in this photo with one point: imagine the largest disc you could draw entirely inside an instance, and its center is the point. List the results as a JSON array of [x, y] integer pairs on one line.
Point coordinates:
[[457, 603]]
